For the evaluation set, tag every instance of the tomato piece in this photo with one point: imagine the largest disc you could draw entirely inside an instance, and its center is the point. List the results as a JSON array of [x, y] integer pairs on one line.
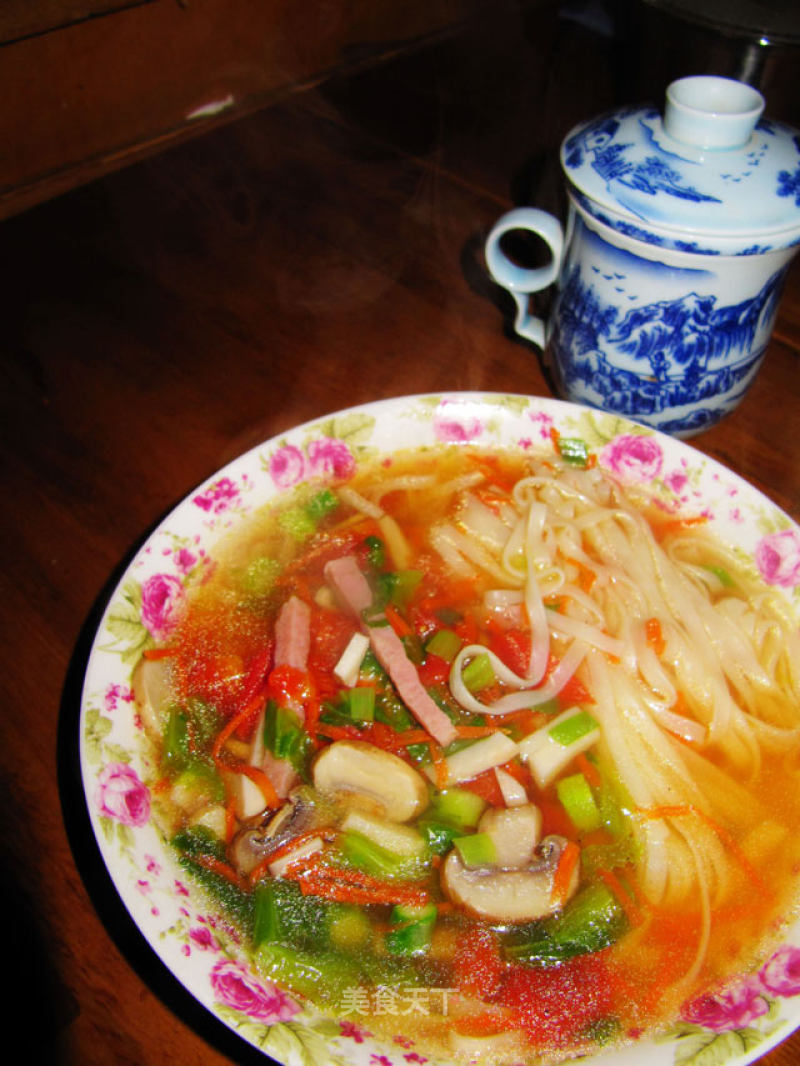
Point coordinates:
[[574, 692], [478, 966], [554, 818], [287, 685], [330, 633], [215, 679], [433, 671], [513, 646], [556, 1004], [485, 785]]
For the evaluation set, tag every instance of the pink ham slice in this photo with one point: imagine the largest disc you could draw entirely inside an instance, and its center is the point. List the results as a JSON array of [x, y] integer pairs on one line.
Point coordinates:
[[353, 588], [293, 634], [292, 643]]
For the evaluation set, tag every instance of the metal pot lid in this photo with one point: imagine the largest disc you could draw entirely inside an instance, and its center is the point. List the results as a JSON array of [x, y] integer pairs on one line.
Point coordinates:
[[710, 168]]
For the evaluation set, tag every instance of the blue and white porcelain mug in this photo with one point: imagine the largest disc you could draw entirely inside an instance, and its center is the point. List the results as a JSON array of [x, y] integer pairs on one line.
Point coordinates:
[[678, 238]]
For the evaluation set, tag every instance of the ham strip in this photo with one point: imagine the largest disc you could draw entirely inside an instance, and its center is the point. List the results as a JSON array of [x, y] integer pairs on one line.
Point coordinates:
[[353, 588], [350, 584], [292, 644], [293, 634]]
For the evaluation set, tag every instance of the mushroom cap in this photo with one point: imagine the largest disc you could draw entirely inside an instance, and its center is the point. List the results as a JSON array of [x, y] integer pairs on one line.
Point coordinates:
[[515, 832], [357, 768], [152, 693], [509, 896], [264, 833]]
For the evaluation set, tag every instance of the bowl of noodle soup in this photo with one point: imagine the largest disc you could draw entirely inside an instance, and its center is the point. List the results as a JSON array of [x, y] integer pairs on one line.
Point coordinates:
[[462, 728]]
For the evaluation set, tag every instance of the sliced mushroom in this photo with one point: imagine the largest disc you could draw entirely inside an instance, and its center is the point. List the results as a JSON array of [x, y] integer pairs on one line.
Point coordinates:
[[515, 832], [508, 896], [262, 835], [353, 768], [152, 694]]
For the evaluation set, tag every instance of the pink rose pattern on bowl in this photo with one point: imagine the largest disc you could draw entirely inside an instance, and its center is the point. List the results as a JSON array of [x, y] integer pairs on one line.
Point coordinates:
[[733, 1025]]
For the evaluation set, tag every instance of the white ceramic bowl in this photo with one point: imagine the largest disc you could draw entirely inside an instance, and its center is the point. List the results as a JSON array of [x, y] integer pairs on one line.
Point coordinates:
[[758, 1009]]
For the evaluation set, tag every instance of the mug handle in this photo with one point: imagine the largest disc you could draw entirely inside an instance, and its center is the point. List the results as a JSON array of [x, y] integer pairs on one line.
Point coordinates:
[[521, 282]]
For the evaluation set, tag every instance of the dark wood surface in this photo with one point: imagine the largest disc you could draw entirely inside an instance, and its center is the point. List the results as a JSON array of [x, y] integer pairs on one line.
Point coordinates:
[[159, 322], [93, 85]]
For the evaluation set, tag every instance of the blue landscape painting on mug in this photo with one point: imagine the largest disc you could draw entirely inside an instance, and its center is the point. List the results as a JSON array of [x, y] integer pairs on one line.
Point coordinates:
[[662, 355]]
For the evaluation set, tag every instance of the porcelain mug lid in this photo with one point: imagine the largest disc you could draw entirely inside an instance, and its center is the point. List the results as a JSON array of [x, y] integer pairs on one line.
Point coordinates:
[[711, 166]]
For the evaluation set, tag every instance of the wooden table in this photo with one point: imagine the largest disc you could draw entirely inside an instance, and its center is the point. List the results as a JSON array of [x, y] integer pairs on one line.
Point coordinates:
[[155, 325]]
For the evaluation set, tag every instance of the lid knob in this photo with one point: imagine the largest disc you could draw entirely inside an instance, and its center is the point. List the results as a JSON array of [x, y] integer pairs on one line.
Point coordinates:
[[712, 112]]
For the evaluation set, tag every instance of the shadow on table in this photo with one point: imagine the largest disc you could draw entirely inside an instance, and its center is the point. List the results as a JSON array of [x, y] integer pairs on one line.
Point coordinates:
[[99, 886]]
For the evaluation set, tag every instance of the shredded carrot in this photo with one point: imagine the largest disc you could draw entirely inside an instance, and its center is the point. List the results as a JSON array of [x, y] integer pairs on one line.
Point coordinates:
[[286, 849], [159, 653], [681, 811], [217, 866], [344, 885], [564, 871], [676, 525], [260, 779], [655, 636], [466, 731], [397, 622], [339, 732], [589, 770], [413, 736], [556, 603], [586, 576], [628, 904], [230, 819], [253, 705], [490, 465], [491, 498], [439, 764]]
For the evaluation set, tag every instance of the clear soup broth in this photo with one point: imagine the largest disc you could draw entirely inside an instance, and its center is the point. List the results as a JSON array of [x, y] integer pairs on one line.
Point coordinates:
[[486, 734]]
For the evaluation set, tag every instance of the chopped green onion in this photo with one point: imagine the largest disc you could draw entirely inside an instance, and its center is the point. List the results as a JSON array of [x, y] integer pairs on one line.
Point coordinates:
[[458, 806], [573, 450], [578, 801], [591, 921], [348, 926], [259, 576], [175, 749], [363, 853], [477, 849], [322, 976], [362, 703], [573, 728], [404, 585], [266, 922], [438, 836], [445, 643], [374, 616], [297, 523], [413, 928], [478, 673], [722, 574], [284, 735], [321, 505], [376, 552]]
